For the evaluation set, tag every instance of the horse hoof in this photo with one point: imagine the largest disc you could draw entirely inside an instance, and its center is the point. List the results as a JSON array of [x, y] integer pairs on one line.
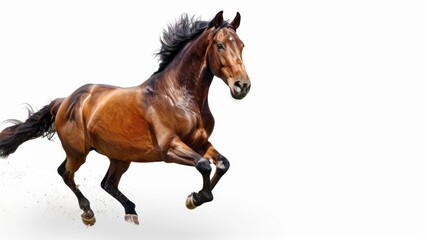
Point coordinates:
[[190, 202], [88, 218], [132, 218], [88, 221]]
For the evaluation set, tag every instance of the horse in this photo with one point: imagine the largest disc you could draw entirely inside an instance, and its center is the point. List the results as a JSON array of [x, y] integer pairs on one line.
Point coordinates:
[[166, 118]]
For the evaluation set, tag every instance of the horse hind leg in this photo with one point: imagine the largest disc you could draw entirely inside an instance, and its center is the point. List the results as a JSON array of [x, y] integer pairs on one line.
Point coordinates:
[[110, 184], [67, 170]]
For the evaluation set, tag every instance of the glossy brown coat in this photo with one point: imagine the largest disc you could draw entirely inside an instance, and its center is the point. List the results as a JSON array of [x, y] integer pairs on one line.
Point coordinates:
[[166, 118]]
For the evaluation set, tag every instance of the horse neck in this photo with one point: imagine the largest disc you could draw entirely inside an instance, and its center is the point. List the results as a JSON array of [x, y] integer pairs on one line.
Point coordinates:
[[189, 70]]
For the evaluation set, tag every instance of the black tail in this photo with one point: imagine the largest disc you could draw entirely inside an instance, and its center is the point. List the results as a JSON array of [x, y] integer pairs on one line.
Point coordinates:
[[38, 124]]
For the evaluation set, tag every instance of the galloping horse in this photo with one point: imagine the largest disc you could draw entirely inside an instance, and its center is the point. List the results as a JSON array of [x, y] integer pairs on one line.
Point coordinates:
[[166, 118]]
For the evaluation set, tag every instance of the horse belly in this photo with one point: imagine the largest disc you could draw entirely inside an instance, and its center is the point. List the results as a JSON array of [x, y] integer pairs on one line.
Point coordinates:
[[124, 139], [128, 148]]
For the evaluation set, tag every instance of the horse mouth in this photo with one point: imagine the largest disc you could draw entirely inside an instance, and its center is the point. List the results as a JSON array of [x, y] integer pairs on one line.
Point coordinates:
[[237, 96]]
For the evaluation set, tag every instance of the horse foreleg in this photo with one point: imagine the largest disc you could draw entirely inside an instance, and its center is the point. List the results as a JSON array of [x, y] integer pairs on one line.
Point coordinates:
[[205, 195], [179, 152], [110, 184], [221, 163], [222, 166]]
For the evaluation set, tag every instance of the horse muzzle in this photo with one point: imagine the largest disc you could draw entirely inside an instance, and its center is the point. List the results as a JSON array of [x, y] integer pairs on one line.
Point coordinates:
[[240, 89]]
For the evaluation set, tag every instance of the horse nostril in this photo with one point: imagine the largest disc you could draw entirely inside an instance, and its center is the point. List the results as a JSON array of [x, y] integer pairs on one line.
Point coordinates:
[[246, 87], [237, 86]]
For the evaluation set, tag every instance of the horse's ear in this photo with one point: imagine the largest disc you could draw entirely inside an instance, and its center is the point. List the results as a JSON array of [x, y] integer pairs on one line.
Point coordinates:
[[236, 22], [217, 20]]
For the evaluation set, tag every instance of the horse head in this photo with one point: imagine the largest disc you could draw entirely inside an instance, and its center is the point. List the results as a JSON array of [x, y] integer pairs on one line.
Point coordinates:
[[225, 56]]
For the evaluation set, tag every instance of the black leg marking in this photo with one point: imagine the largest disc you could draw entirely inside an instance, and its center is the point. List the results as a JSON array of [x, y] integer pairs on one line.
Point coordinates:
[[205, 195], [68, 177], [109, 184], [222, 167]]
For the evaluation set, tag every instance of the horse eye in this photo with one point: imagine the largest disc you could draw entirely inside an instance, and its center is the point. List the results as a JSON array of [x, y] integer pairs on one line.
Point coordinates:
[[220, 46]]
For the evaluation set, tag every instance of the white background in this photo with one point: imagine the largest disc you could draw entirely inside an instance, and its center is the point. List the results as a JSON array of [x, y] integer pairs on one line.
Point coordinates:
[[329, 143]]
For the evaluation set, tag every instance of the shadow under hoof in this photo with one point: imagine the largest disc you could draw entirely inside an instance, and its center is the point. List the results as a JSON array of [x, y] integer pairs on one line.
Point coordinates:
[[88, 218], [132, 218], [190, 204]]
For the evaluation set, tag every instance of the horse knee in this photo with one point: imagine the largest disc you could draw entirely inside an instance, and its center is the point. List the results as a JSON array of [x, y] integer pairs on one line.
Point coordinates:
[[203, 166], [222, 165]]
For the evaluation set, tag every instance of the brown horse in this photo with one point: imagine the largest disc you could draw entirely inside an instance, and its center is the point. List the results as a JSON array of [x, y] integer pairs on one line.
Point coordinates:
[[166, 118]]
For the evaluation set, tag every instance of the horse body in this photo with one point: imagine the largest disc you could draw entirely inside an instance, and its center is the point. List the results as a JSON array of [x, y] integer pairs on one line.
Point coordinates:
[[166, 118]]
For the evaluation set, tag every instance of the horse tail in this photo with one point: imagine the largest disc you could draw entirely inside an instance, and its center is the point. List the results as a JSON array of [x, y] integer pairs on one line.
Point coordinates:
[[38, 124]]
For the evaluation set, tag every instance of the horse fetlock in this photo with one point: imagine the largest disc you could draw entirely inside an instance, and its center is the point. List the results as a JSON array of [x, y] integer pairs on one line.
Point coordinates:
[[85, 205], [130, 208], [203, 166], [205, 196], [197, 199]]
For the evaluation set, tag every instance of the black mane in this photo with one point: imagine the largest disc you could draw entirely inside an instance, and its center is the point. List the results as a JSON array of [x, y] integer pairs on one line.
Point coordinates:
[[175, 37]]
